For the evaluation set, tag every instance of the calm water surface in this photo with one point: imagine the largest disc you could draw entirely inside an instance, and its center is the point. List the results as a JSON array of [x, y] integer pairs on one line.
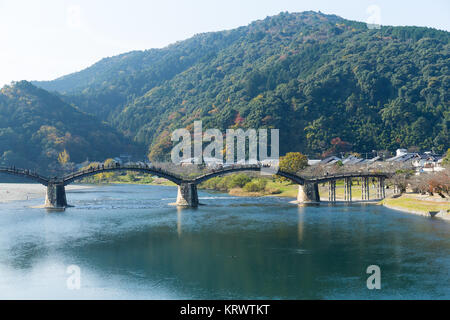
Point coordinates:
[[130, 244]]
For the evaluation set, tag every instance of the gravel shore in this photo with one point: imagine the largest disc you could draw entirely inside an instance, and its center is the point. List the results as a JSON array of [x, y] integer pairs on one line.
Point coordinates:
[[26, 191]]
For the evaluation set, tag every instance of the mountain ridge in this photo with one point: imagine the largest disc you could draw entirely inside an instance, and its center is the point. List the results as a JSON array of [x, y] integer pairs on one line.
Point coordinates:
[[318, 77], [35, 126]]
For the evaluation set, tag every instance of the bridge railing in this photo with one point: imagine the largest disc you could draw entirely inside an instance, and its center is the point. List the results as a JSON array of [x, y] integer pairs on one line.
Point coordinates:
[[178, 178], [297, 175], [24, 172], [102, 168], [347, 175]]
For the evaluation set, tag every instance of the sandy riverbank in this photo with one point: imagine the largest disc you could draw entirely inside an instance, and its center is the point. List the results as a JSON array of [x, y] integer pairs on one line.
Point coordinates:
[[26, 191]]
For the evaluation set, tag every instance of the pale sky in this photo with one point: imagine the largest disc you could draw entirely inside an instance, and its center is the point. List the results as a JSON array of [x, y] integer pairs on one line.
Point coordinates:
[[45, 39]]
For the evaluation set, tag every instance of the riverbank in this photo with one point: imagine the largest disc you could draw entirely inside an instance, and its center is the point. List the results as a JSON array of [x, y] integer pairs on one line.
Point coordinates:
[[419, 205], [27, 191], [153, 182], [409, 203]]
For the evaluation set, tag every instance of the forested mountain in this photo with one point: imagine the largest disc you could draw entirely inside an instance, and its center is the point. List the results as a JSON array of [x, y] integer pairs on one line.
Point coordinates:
[[108, 85], [35, 126], [325, 82]]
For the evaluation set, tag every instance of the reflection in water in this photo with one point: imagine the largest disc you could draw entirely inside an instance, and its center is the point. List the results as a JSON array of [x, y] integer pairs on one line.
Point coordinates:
[[301, 212], [179, 213], [131, 244]]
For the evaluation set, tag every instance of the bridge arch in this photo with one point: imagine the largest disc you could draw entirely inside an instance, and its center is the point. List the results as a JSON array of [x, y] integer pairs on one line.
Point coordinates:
[[70, 178], [294, 178], [26, 174]]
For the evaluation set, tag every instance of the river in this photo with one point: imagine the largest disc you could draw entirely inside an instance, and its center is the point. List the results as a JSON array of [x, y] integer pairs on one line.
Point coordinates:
[[129, 243]]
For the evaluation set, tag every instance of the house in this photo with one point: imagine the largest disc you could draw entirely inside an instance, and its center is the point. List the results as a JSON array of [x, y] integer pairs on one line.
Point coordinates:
[[371, 161], [330, 160], [403, 157], [352, 160], [125, 158], [313, 162], [401, 152], [428, 162]]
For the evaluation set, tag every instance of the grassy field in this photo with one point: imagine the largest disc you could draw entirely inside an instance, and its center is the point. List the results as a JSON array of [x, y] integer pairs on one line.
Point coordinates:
[[285, 189], [411, 203], [356, 192]]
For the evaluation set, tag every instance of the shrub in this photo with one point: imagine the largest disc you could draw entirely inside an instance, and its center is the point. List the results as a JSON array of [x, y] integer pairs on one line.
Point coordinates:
[[239, 180], [274, 191], [217, 183], [255, 185]]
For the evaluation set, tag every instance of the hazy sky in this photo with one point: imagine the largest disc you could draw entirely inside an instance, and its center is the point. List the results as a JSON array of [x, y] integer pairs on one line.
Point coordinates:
[[42, 40]]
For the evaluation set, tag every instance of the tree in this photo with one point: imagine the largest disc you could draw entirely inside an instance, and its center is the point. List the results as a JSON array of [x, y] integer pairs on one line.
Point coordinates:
[[256, 185], [339, 163], [293, 162], [446, 160], [401, 179], [109, 162], [108, 175], [63, 158]]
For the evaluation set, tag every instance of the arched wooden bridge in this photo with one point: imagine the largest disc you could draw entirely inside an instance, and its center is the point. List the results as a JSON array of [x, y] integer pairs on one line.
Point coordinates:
[[26, 174], [187, 188]]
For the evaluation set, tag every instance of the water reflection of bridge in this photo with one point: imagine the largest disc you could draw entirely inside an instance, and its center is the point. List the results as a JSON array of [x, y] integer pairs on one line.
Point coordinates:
[[187, 187]]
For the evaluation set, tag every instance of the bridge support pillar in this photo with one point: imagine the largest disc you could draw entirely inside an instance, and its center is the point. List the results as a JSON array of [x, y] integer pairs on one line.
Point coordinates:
[[187, 195], [56, 196], [381, 192], [309, 192], [348, 189], [332, 191], [397, 189], [365, 188]]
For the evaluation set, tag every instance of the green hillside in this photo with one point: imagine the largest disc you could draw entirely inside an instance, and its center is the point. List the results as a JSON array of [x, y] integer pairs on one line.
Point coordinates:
[[316, 77], [35, 126]]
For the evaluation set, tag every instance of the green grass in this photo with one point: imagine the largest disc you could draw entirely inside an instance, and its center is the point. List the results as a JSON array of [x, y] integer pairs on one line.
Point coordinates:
[[127, 179], [356, 192], [413, 204], [287, 189]]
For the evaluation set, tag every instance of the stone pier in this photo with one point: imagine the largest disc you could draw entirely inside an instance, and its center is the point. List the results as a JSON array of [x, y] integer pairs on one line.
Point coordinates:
[[365, 188], [187, 195], [332, 191], [56, 196], [348, 189], [309, 192]]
